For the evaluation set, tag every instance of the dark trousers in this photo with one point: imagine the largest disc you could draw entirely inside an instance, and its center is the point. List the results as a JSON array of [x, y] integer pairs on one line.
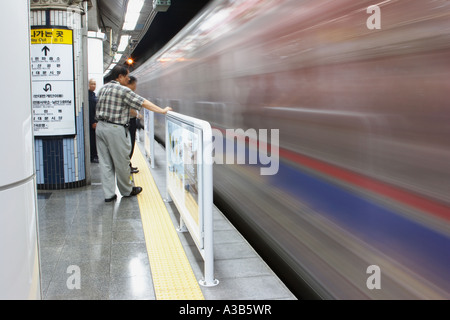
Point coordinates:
[[132, 130], [93, 144]]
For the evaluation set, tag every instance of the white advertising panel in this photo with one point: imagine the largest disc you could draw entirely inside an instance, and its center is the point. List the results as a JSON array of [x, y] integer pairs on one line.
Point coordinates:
[[189, 180], [184, 174]]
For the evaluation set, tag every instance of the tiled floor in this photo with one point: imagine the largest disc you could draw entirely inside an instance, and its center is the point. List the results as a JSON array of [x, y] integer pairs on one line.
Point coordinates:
[[105, 240], [103, 244]]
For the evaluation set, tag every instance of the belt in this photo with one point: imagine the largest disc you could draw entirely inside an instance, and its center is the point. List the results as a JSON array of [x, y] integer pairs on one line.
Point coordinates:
[[126, 125]]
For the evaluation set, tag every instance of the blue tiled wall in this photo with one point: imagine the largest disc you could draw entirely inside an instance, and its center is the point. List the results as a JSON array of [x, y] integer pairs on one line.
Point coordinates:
[[60, 160]]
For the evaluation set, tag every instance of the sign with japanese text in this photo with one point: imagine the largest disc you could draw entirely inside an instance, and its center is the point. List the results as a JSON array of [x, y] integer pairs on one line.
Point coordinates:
[[52, 76]]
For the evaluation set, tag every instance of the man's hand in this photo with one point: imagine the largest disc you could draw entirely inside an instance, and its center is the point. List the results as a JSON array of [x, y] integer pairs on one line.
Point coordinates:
[[153, 107], [167, 109]]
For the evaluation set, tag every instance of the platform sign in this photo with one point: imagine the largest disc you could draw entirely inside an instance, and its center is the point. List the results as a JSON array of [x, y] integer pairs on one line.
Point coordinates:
[[52, 76]]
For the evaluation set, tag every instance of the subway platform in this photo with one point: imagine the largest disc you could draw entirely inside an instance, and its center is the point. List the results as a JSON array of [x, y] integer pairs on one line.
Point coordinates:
[[92, 250]]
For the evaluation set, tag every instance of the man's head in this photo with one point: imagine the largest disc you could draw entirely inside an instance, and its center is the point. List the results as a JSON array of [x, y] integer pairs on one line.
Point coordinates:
[[120, 74], [92, 85], [132, 83]]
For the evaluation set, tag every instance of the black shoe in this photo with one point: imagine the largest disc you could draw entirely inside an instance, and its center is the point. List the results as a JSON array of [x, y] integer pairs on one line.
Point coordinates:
[[134, 170], [111, 199], [135, 191]]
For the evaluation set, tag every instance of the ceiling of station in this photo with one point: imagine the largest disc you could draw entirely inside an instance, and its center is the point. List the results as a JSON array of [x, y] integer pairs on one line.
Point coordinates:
[[108, 16], [153, 29]]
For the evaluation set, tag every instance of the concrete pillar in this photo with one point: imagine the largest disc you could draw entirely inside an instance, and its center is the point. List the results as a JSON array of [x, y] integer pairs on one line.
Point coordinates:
[[59, 91]]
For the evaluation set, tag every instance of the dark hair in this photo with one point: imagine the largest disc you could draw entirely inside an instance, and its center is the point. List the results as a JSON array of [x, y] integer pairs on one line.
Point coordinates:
[[132, 80], [119, 70]]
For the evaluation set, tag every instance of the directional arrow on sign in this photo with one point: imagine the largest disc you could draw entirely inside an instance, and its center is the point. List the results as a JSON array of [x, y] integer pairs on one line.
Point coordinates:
[[47, 87], [46, 50]]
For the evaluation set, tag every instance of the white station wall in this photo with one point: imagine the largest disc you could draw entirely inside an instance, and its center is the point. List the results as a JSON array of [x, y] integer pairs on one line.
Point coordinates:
[[95, 58], [19, 263]]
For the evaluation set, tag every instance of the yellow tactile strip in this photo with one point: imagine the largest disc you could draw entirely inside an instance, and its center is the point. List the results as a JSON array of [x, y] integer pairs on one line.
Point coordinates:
[[173, 278]]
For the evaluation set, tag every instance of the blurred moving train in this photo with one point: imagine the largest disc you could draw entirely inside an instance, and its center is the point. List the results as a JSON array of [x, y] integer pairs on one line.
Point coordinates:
[[360, 205]]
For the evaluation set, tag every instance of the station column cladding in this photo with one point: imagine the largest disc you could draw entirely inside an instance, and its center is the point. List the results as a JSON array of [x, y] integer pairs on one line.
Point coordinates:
[[59, 91], [19, 258]]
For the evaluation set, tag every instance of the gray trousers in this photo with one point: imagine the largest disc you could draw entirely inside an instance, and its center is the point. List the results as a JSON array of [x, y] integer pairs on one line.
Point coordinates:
[[113, 148]]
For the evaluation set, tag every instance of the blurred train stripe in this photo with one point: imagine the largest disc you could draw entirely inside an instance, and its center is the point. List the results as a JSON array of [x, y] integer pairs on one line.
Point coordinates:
[[416, 201], [405, 197]]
